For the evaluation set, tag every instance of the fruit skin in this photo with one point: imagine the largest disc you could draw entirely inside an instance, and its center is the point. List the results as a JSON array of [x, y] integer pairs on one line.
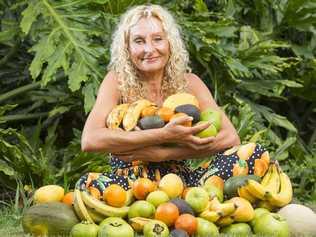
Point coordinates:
[[284, 196], [157, 197], [103, 208], [258, 212], [197, 198], [214, 192], [244, 193], [116, 116], [84, 229], [256, 189], [133, 113], [186, 222], [54, 218], [180, 99], [165, 113], [149, 111], [273, 184], [183, 206], [172, 185], [177, 115], [95, 216], [142, 187], [206, 228], [216, 181], [244, 211], [156, 228], [238, 229], [210, 131], [224, 209], [271, 224], [115, 227], [167, 213], [212, 116], [48, 193], [211, 216], [80, 207], [115, 195], [141, 208], [150, 122], [138, 223], [245, 151], [190, 110], [178, 233], [68, 198], [232, 184]]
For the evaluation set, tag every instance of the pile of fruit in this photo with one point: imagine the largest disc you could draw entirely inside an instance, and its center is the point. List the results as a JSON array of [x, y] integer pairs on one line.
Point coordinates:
[[147, 115], [242, 205]]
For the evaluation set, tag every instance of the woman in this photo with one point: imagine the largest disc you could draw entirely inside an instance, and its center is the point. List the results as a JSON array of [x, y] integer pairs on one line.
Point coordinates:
[[149, 60]]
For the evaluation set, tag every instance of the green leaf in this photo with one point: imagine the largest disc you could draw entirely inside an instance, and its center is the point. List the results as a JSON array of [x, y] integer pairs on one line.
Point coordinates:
[[30, 14], [200, 6]]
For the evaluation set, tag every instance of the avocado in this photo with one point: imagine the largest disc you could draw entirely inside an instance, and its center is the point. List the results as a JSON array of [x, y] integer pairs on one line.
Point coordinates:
[[149, 122], [190, 110], [182, 205], [178, 233]]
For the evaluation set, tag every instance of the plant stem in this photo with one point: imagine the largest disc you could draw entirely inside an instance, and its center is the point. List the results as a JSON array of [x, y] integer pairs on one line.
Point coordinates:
[[16, 117], [18, 91]]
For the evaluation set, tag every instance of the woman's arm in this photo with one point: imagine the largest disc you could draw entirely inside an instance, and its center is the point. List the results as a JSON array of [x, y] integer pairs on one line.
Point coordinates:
[[97, 137]]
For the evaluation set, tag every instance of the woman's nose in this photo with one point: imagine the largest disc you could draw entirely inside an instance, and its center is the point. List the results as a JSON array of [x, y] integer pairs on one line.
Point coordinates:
[[148, 47]]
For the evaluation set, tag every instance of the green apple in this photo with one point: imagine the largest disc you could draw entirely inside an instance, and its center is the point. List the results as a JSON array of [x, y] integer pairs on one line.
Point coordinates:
[[141, 208], [84, 229], [271, 224], [258, 212], [197, 198], [206, 228], [214, 191], [238, 229], [155, 228], [210, 131], [212, 116], [115, 227], [157, 197]]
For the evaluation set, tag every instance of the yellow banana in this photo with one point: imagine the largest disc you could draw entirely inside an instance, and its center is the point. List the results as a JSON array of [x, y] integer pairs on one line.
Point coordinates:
[[256, 189], [267, 176], [224, 209], [96, 216], [133, 113], [116, 116], [130, 197], [224, 221], [273, 184], [81, 206], [103, 208], [244, 193], [211, 216], [266, 204], [77, 209], [285, 195], [138, 223]]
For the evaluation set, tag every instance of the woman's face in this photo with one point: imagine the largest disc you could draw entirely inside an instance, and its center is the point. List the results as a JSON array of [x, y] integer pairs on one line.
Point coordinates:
[[148, 45]]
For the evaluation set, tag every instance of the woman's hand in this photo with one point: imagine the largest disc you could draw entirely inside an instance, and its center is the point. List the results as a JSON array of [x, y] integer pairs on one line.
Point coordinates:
[[177, 133], [149, 153]]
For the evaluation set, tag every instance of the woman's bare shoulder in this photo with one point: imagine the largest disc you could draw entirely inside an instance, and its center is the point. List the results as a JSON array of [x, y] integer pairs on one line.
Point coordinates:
[[194, 82]]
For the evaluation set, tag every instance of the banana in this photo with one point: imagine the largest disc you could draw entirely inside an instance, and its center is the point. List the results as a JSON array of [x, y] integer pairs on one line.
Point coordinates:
[[133, 113], [267, 176], [138, 223], [116, 116], [96, 216], [130, 197], [103, 208], [224, 221], [83, 213], [285, 195], [244, 193], [256, 189], [211, 216], [224, 208], [273, 184], [77, 210]]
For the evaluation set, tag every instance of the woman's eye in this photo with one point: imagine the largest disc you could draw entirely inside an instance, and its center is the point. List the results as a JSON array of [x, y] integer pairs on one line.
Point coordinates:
[[157, 39], [138, 41]]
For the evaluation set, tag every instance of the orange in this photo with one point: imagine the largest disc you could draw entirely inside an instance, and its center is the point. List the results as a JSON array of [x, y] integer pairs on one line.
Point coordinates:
[[187, 223], [177, 115], [115, 195], [68, 198], [167, 213], [165, 113], [142, 187]]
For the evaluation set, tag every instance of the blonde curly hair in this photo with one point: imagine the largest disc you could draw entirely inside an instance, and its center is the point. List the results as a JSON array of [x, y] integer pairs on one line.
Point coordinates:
[[130, 86]]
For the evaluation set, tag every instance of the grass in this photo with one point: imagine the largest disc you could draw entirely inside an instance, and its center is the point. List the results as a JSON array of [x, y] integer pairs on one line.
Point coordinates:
[[10, 222]]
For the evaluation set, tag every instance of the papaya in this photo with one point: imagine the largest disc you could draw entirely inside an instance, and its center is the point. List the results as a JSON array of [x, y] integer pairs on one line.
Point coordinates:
[[49, 219], [49, 193], [180, 99]]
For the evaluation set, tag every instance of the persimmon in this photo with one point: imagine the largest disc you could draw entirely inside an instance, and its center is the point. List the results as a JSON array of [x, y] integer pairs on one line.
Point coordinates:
[[68, 198], [165, 113], [142, 187], [187, 222], [167, 213], [115, 195], [177, 115]]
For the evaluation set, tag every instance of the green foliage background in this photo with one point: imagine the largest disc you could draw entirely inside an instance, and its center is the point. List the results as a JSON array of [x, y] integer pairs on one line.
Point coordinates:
[[257, 57]]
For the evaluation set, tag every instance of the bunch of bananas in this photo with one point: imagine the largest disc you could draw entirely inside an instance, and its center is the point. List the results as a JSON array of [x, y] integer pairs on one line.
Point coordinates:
[[88, 208], [127, 114], [275, 189]]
